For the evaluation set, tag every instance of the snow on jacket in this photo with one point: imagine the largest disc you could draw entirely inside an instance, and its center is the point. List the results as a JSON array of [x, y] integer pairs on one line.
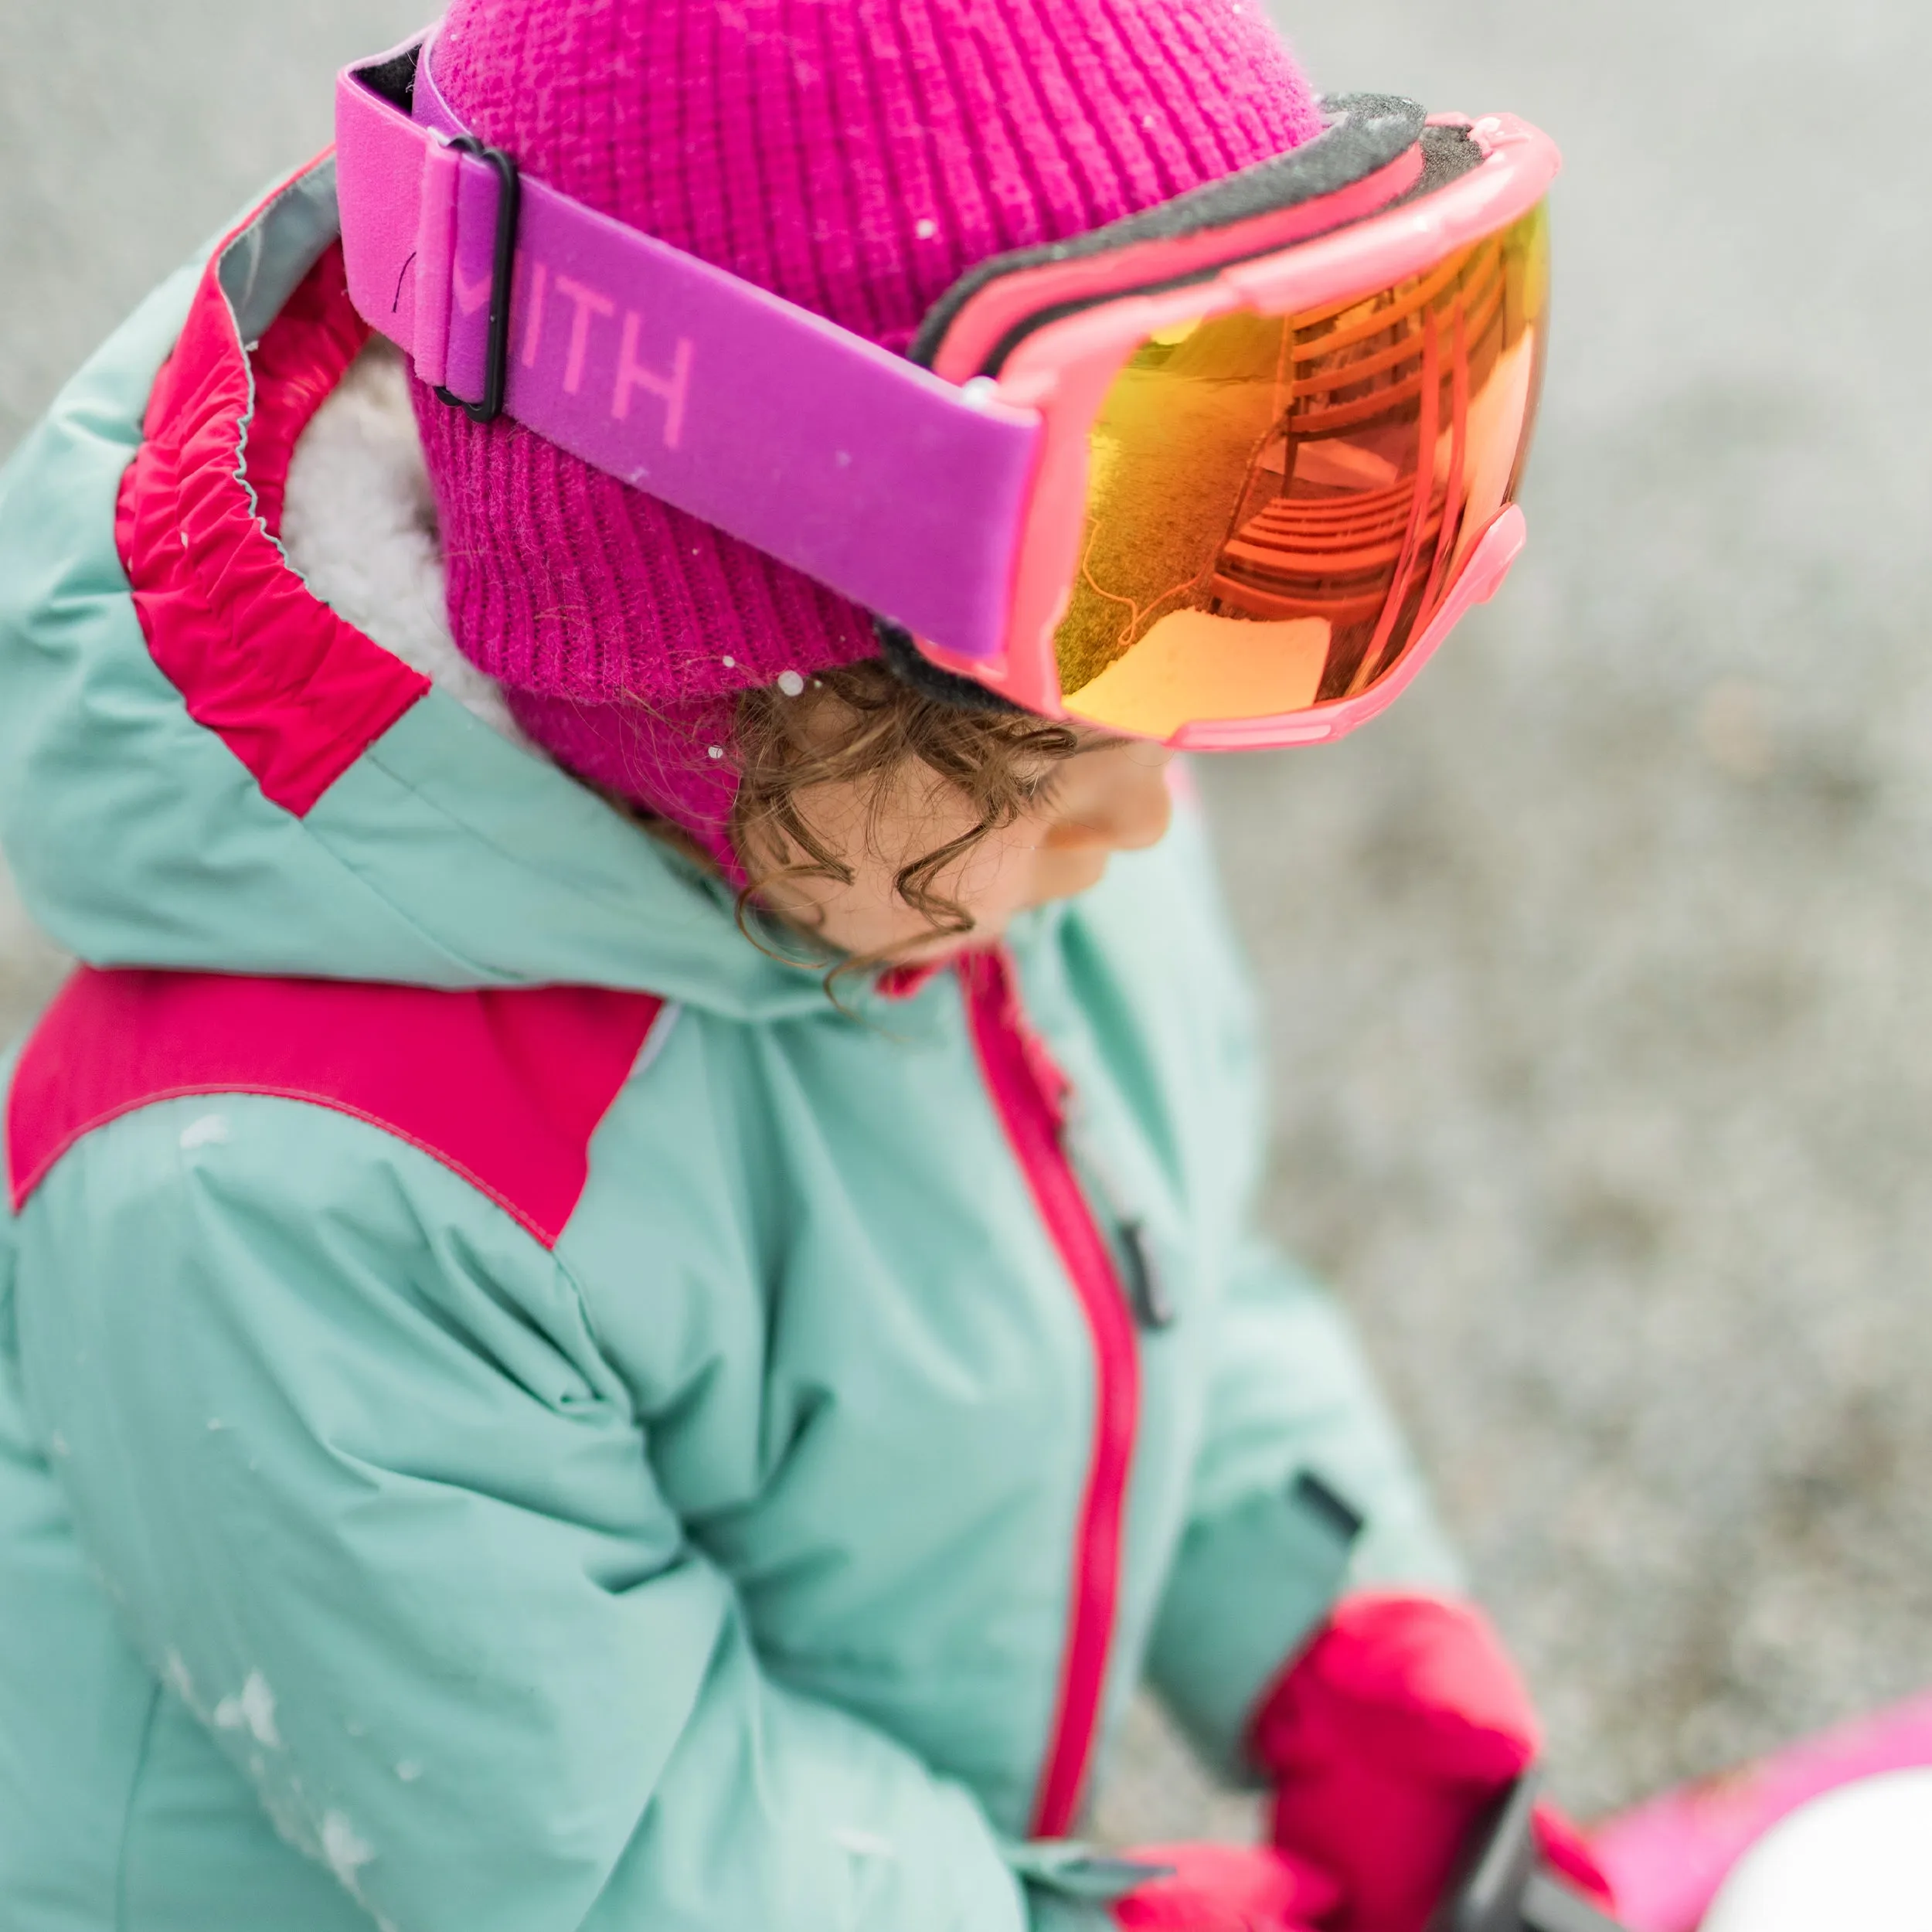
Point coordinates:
[[515, 1413]]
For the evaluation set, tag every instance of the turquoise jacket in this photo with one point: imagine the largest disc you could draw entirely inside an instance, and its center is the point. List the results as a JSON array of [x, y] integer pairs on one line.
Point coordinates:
[[515, 1411]]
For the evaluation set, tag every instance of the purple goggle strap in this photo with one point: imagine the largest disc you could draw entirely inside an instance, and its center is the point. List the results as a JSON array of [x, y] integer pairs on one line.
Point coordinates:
[[898, 490]]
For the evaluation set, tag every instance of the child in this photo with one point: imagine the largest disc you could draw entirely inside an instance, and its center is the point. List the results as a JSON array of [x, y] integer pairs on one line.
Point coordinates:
[[630, 1299]]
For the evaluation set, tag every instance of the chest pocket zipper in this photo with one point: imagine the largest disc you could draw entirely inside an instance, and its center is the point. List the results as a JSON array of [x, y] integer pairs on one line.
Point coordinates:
[[1146, 1289], [1142, 1274]]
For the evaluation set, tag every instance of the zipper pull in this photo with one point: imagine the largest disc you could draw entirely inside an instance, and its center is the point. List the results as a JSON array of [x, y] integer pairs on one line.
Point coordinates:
[[1140, 1272], [1145, 1289]]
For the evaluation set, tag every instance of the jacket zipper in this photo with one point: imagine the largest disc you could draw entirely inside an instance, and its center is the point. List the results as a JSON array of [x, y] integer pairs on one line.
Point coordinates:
[[1029, 1092]]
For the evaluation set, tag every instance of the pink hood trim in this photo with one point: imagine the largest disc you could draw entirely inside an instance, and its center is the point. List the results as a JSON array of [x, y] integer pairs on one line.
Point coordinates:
[[295, 693]]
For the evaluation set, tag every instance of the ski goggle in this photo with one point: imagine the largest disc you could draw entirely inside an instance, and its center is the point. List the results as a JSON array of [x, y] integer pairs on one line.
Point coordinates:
[[1223, 473]]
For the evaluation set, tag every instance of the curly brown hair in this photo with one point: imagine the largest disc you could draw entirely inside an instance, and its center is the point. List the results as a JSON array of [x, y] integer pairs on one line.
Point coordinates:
[[861, 725]]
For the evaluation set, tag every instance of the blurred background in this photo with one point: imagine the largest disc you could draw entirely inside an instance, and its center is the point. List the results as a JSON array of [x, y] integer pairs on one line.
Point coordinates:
[[1597, 971]]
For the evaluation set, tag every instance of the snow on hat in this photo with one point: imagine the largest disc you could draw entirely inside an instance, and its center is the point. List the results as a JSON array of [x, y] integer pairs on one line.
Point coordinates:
[[854, 156]]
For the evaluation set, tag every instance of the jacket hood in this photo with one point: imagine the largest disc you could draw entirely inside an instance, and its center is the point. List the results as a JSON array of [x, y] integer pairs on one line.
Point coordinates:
[[204, 766]]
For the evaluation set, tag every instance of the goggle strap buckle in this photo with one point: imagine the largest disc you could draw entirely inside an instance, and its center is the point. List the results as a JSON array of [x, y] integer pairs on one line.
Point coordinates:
[[496, 342]]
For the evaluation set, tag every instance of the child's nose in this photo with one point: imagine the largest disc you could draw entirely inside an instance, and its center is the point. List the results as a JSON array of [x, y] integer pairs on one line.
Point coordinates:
[[1128, 809]]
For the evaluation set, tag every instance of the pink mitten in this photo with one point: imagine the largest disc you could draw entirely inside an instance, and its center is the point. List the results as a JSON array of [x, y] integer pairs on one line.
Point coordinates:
[[1225, 1888], [1390, 1738]]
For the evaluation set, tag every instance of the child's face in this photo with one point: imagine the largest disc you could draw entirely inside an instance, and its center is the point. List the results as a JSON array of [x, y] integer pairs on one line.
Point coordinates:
[[1110, 796]]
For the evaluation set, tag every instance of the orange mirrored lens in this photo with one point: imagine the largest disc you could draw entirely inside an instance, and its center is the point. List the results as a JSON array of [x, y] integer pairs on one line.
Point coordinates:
[[1278, 505]]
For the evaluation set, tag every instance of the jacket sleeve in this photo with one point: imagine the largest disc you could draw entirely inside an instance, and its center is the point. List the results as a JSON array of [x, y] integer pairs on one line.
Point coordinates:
[[346, 1453], [1303, 1486]]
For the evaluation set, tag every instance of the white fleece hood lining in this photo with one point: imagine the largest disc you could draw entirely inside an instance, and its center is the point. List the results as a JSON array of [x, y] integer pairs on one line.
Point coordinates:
[[359, 525]]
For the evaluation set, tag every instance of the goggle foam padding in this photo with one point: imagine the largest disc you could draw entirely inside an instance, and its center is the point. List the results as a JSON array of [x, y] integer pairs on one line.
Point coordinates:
[[1366, 132]]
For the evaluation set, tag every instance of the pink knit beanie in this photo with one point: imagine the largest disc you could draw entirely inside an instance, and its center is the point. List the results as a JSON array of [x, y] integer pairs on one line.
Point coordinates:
[[855, 156]]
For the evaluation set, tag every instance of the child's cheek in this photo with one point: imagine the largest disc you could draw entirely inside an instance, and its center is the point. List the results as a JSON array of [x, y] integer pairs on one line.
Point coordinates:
[[1060, 874]]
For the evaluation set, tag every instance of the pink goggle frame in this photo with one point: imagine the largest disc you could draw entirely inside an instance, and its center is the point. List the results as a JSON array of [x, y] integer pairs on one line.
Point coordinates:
[[1055, 339]]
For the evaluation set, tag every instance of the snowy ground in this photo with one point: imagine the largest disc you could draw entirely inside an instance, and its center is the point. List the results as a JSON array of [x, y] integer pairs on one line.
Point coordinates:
[[1597, 970]]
